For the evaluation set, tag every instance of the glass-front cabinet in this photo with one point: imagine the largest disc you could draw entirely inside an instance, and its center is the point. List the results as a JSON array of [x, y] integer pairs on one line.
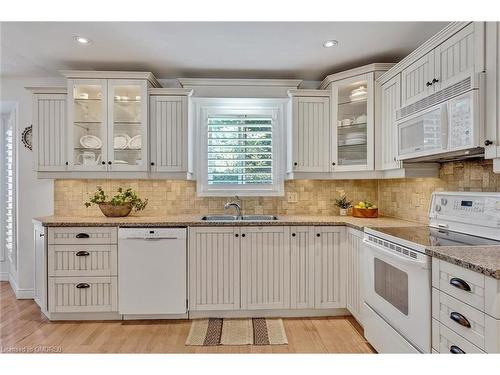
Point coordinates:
[[353, 123], [108, 124]]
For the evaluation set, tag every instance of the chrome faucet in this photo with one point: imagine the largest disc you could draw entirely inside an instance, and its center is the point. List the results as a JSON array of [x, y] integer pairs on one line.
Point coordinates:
[[236, 204]]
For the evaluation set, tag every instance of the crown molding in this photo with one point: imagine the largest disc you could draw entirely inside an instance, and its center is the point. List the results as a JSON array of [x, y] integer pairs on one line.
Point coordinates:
[[47, 90], [104, 74], [309, 92], [424, 48], [370, 68], [197, 82], [170, 91]]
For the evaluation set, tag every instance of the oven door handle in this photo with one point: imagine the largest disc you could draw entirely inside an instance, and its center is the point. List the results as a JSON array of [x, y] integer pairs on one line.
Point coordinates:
[[396, 257]]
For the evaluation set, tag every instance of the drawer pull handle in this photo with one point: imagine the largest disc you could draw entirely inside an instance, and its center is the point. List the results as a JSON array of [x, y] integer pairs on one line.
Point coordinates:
[[82, 286], [460, 284], [82, 235], [460, 319], [82, 253], [456, 350]]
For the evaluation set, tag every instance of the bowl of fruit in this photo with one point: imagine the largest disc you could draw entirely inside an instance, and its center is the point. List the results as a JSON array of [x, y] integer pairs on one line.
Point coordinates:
[[365, 209]]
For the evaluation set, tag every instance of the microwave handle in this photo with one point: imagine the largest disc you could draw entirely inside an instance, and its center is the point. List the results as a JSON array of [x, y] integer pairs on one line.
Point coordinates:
[[444, 126]]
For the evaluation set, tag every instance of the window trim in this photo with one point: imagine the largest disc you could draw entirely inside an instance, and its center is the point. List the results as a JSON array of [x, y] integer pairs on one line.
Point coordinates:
[[205, 107]]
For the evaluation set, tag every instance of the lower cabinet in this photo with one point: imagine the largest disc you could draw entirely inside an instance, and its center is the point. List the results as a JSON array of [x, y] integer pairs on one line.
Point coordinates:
[[354, 272], [214, 268], [265, 268], [40, 241]]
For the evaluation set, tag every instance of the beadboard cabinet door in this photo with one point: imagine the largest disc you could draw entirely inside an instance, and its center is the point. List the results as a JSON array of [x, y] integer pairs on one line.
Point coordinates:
[[311, 134], [391, 101], [415, 79], [265, 268], [328, 268], [50, 132], [354, 274], [302, 267], [214, 268], [169, 130]]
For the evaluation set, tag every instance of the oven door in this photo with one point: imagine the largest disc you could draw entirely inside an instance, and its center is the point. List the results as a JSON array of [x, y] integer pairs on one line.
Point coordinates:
[[398, 290]]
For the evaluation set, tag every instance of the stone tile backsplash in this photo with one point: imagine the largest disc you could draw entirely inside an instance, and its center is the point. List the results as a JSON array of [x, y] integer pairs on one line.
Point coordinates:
[[407, 199]]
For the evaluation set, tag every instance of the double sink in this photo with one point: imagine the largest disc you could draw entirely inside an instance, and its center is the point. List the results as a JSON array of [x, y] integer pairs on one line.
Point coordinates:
[[239, 218]]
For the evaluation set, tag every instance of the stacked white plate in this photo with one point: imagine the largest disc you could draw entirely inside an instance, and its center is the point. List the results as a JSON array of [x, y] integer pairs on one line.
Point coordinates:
[[354, 138]]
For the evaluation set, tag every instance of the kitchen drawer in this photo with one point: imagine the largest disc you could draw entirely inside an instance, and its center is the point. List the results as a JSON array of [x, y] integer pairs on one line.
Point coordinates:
[[445, 308], [83, 294], [82, 260], [448, 278], [82, 235], [444, 339]]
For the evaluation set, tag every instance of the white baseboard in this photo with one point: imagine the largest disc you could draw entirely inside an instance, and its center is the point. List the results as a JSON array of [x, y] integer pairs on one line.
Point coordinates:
[[21, 293], [4, 276]]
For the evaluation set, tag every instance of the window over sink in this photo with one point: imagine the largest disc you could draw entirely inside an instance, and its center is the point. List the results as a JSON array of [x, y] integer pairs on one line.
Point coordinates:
[[240, 146]]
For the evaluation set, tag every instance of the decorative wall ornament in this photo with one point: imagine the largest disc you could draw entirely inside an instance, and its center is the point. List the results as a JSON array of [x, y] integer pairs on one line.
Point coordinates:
[[27, 137]]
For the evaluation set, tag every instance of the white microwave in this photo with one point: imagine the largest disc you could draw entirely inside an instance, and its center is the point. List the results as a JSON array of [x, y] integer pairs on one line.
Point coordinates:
[[450, 129]]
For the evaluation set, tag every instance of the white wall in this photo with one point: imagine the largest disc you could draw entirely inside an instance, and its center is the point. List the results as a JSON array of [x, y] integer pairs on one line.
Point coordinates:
[[34, 197]]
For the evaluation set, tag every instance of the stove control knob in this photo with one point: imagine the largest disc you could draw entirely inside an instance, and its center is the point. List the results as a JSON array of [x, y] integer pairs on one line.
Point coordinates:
[[444, 201], [437, 208]]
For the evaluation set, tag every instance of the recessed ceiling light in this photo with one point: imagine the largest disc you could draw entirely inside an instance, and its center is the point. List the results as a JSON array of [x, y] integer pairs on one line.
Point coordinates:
[[82, 40], [330, 43]]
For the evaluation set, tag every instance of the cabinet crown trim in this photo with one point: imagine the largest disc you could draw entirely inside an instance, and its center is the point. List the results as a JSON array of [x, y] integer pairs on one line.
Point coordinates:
[[299, 92], [424, 48], [89, 74], [191, 82], [375, 67], [170, 92]]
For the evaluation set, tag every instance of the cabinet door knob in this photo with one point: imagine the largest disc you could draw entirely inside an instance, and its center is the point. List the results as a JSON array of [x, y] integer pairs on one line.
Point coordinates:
[[109, 162], [460, 284], [460, 319], [67, 163], [293, 234], [333, 163], [152, 163], [428, 84], [488, 142], [236, 235], [82, 286], [295, 164], [318, 235], [103, 162], [435, 80], [42, 235], [243, 235]]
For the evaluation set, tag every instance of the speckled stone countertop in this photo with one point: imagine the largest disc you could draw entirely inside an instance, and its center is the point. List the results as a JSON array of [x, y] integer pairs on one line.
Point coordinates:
[[195, 220], [482, 259]]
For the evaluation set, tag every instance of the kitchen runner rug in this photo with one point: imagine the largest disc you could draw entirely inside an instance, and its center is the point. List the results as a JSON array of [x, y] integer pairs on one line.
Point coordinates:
[[256, 331]]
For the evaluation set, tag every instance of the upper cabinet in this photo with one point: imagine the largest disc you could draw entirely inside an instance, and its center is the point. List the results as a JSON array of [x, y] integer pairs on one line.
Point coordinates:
[[449, 62], [108, 120], [390, 102], [169, 130], [309, 137]]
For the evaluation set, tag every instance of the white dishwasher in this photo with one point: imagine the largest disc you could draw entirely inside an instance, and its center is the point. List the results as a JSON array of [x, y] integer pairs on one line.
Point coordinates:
[[152, 271]]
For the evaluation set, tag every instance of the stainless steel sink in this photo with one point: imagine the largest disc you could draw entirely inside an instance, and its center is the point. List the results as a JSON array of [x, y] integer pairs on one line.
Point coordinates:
[[235, 218]]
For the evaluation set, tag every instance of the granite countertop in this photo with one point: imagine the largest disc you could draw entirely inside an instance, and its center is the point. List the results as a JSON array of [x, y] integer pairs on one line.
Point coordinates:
[[482, 259], [195, 220]]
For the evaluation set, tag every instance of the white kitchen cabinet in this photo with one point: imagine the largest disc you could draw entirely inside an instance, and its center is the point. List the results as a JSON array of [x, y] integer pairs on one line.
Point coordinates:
[[302, 267], [310, 135], [492, 131], [49, 130], [416, 79], [265, 267], [214, 268], [328, 269], [40, 242], [449, 62], [354, 273], [108, 120], [169, 130], [390, 103]]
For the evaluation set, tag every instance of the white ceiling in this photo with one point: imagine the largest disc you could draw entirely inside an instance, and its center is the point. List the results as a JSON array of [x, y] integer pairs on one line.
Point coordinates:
[[207, 49]]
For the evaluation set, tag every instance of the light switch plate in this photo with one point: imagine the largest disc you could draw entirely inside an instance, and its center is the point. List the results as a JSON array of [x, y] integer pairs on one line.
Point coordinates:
[[292, 197]]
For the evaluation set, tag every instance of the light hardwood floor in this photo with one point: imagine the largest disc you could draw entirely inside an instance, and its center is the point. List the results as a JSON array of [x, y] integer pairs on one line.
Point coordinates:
[[22, 325]]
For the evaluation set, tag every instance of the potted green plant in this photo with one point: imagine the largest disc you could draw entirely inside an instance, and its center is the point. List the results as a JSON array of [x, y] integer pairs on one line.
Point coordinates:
[[343, 203], [119, 205]]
